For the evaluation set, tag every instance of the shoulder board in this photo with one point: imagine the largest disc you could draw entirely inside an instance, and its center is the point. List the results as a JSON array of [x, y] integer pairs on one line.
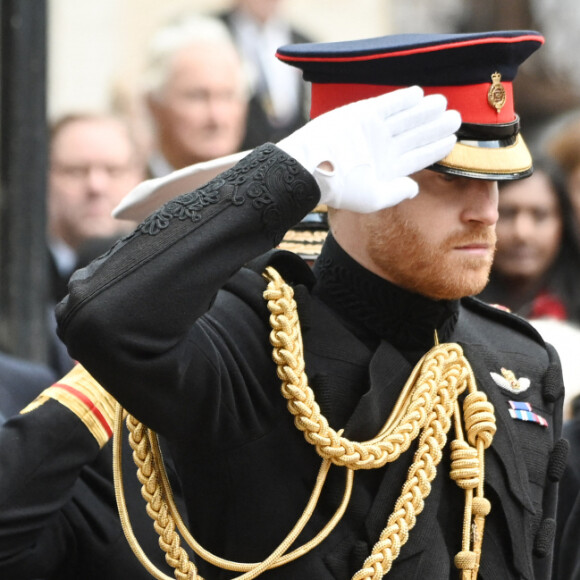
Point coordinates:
[[502, 316], [291, 267]]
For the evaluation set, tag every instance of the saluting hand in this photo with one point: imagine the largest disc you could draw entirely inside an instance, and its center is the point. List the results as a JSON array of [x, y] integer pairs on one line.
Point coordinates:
[[362, 154]]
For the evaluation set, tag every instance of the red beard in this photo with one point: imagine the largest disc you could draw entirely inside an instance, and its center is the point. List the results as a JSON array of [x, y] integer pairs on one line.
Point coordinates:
[[405, 256]]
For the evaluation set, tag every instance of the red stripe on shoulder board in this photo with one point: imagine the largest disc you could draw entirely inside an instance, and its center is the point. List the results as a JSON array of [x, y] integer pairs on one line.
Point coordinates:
[[90, 405], [419, 50]]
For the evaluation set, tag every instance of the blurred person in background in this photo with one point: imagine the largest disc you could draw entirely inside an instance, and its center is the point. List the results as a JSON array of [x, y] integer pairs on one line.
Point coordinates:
[[58, 514], [279, 101], [536, 270], [95, 159], [195, 89], [563, 144]]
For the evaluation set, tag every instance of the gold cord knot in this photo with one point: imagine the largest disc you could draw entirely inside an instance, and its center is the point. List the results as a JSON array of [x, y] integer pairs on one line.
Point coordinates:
[[465, 467], [481, 506], [479, 419]]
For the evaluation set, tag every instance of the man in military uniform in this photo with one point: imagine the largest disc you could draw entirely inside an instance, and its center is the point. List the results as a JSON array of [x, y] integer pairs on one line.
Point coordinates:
[[417, 433]]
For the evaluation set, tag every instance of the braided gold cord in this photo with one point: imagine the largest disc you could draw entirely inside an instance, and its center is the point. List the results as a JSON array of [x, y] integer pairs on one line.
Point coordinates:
[[157, 508], [161, 508], [276, 558], [121, 503], [411, 501], [426, 407], [427, 403], [391, 442]]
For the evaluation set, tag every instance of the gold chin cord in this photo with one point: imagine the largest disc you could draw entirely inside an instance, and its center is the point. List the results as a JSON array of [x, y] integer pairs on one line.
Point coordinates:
[[426, 408]]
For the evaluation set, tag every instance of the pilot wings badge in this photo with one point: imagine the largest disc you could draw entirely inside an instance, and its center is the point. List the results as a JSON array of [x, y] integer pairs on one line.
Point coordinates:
[[508, 381]]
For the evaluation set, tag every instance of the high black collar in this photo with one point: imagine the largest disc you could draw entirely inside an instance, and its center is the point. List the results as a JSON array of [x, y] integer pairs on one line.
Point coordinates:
[[374, 308]]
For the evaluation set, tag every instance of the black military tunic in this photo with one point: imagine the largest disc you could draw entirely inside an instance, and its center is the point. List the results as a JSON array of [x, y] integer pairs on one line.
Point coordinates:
[[173, 325]]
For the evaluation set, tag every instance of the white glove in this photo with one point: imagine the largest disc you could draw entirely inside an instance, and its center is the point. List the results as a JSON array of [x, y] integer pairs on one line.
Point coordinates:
[[372, 147], [151, 194]]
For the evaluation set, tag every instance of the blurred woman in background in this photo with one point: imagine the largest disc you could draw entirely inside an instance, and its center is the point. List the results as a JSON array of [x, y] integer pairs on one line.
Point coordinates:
[[536, 271]]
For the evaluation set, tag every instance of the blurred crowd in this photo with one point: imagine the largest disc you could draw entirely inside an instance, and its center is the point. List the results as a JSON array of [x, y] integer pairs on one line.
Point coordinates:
[[211, 87]]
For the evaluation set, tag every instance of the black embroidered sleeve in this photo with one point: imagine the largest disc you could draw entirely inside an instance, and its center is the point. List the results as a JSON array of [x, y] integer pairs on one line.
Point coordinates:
[[267, 180], [237, 216]]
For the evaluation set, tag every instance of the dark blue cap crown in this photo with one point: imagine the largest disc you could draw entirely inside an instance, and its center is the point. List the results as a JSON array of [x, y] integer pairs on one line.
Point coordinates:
[[414, 59]]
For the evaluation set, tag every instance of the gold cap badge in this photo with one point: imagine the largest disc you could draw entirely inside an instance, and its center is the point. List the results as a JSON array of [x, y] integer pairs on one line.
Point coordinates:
[[496, 95]]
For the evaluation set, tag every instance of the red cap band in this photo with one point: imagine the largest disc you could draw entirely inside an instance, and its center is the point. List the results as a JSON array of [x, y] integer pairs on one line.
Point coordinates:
[[470, 100]]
